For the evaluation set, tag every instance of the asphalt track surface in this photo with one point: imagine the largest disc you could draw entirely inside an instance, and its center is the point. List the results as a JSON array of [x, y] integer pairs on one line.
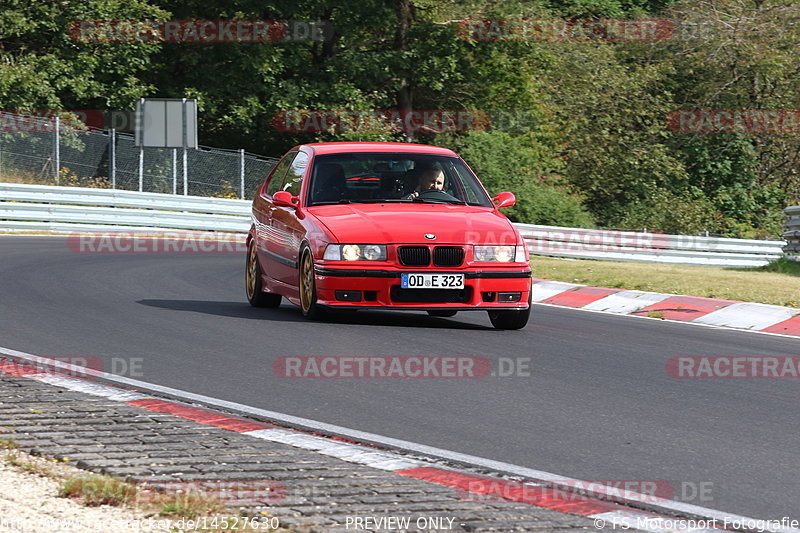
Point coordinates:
[[598, 405]]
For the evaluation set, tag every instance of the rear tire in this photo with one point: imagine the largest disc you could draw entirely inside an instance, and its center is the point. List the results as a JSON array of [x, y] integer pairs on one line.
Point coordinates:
[[308, 286], [253, 282], [442, 313]]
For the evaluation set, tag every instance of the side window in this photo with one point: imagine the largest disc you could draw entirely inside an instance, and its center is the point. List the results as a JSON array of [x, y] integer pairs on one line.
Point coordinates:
[[275, 181], [294, 178]]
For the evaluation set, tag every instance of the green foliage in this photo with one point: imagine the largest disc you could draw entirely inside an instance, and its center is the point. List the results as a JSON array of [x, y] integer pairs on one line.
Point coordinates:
[[607, 8], [42, 68], [782, 266], [668, 212], [588, 144], [613, 117], [506, 162]]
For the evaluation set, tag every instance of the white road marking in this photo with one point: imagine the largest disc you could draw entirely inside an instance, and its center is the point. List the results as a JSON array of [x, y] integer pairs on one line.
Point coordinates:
[[625, 302], [747, 315]]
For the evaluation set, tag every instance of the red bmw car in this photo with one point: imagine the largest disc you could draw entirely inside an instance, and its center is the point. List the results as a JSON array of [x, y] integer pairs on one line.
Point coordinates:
[[385, 225]]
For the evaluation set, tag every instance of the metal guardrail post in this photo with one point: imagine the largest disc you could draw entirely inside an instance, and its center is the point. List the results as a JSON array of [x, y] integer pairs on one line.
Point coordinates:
[[174, 171], [185, 174], [792, 233], [185, 146], [112, 157], [241, 171], [57, 149], [141, 167]]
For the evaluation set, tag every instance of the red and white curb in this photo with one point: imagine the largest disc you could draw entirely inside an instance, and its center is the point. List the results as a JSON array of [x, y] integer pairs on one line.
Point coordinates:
[[472, 486], [692, 309]]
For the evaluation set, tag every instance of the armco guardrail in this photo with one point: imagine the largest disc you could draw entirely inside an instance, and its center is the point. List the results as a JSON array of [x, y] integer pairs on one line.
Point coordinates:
[[648, 247], [74, 209], [792, 233]]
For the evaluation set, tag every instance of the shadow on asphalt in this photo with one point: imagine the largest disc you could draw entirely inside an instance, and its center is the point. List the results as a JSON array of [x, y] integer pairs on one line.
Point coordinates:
[[290, 313]]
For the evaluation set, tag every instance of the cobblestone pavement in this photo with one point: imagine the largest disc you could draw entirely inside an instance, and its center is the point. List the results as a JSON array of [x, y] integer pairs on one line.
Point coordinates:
[[307, 491]]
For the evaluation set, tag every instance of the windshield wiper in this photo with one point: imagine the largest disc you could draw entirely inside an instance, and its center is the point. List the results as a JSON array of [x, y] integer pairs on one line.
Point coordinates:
[[378, 200], [454, 201], [330, 203]]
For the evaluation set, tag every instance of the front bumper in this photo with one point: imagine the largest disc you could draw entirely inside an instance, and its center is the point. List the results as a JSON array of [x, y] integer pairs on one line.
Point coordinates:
[[484, 289]]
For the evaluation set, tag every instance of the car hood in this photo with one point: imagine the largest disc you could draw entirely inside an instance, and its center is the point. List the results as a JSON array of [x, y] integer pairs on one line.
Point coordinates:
[[409, 223]]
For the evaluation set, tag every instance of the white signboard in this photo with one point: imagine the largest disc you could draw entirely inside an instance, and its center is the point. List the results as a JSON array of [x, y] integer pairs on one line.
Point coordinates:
[[166, 123]]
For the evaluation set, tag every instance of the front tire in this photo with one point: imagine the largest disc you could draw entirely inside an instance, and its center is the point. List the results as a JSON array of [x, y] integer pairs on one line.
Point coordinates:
[[512, 319], [253, 282], [308, 286]]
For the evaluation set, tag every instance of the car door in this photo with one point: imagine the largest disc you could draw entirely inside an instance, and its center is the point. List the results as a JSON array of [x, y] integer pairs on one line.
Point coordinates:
[[263, 212], [286, 226]]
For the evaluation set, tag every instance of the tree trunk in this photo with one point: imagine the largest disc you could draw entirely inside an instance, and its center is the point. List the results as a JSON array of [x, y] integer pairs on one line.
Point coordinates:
[[405, 93]]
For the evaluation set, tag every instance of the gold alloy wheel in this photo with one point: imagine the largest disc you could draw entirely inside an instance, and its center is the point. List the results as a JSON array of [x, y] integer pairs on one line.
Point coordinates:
[[306, 281], [252, 270]]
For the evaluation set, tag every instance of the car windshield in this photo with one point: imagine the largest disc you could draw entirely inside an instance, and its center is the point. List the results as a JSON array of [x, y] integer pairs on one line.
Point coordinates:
[[394, 177]]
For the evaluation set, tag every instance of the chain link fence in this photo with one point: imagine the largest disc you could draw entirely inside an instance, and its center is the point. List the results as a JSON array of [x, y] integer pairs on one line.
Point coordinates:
[[56, 151]]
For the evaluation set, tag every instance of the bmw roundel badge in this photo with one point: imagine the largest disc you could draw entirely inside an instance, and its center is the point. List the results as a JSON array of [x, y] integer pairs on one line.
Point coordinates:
[[430, 236]]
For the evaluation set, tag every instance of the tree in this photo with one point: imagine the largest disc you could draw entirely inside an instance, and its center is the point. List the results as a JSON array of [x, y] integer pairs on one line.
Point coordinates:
[[43, 68]]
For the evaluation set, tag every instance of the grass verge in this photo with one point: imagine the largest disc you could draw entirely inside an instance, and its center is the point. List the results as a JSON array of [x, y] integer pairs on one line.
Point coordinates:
[[777, 283], [200, 506]]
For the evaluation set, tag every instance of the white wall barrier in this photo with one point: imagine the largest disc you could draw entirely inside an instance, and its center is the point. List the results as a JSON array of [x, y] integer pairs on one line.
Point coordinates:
[[74, 209]]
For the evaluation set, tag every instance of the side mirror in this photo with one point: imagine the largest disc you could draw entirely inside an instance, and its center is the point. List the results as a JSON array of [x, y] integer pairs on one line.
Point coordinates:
[[285, 199], [504, 199]]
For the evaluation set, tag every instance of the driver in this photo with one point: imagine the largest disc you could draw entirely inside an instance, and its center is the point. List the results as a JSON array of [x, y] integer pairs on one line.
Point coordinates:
[[429, 179]]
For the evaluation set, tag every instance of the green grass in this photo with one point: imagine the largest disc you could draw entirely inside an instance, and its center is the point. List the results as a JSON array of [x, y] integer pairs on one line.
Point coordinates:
[[776, 284], [96, 490]]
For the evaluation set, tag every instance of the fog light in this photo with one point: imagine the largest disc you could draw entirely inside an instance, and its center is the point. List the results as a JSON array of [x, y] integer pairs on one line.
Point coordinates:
[[508, 297], [348, 296]]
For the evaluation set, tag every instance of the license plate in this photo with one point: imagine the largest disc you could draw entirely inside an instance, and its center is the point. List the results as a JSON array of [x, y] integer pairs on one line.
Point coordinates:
[[410, 280]]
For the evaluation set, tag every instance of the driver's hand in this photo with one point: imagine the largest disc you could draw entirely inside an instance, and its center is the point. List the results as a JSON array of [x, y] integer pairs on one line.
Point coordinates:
[[412, 195]]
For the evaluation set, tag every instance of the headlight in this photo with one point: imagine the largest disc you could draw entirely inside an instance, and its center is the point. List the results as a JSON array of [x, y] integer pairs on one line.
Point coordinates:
[[494, 254], [355, 252], [351, 252]]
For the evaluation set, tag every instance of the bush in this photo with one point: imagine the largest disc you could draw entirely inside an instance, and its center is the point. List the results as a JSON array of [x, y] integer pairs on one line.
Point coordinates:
[[527, 167]]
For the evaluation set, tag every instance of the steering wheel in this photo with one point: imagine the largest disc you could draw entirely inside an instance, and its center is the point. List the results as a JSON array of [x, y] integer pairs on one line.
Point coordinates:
[[436, 194]]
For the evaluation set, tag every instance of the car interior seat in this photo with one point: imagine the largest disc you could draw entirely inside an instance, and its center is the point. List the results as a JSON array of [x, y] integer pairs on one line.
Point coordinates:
[[329, 183]]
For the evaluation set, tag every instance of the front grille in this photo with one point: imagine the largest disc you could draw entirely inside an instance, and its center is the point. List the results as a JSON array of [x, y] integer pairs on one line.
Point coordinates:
[[414, 256], [448, 256], [430, 296]]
